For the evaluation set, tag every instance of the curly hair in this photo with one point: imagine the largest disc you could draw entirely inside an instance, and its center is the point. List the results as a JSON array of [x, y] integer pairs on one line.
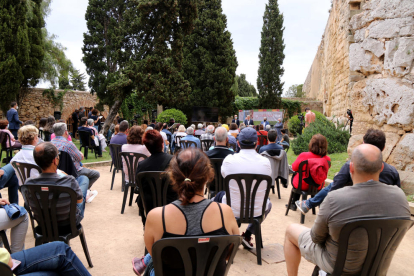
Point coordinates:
[[189, 171], [27, 134], [135, 135]]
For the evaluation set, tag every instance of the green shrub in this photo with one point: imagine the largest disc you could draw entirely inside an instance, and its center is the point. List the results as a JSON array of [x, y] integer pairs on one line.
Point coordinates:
[[294, 122], [337, 138], [178, 116]]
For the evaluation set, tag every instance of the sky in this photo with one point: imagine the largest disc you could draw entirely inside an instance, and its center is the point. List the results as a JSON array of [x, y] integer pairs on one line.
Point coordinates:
[[304, 21]]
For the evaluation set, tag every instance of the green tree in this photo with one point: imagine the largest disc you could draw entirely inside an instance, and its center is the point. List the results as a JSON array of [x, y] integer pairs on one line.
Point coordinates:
[[210, 60], [78, 80], [271, 58], [64, 83], [295, 91], [246, 89], [21, 48]]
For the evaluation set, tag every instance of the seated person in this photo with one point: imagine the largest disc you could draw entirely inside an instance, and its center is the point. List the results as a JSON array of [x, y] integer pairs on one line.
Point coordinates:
[[190, 137], [101, 138], [53, 135], [220, 150], [13, 142], [260, 131], [232, 140], [62, 144], [120, 138], [158, 127], [209, 135], [28, 137], [192, 214], [84, 127], [46, 156], [156, 162], [234, 130], [247, 161], [318, 148], [18, 227], [181, 133], [367, 198], [389, 175], [135, 144], [285, 138], [9, 179], [271, 136], [200, 130], [55, 258]]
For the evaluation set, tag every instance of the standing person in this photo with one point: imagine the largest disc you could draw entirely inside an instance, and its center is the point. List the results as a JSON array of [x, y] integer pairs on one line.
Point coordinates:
[[265, 122], [248, 121], [236, 121], [309, 117], [81, 112], [171, 123], [350, 119], [13, 118], [90, 112], [75, 118]]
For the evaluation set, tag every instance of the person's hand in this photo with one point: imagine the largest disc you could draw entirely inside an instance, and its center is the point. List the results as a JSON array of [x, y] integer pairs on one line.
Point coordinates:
[[1, 173], [4, 201]]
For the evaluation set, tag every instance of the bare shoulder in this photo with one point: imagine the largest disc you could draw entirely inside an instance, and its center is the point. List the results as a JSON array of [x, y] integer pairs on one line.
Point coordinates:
[[154, 214]]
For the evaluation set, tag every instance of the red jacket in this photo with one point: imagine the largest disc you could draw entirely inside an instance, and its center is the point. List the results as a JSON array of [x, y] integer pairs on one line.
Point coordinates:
[[262, 132], [295, 166]]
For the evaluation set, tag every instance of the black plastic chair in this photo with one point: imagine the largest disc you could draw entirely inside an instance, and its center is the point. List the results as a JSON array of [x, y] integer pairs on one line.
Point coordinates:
[[312, 190], [206, 144], [197, 136], [131, 160], [247, 202], [177, 143], [169, 140], [5, 270], [185, 144], [384, 236], [47, 136], [114, 150], [207, 251], [41, 134], [86, 142], [218, 178], [38, 196], [4, 140], [3, 237]]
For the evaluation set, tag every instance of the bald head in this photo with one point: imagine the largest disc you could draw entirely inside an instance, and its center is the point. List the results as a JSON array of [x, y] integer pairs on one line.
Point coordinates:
[[367, 160], [44, 154]]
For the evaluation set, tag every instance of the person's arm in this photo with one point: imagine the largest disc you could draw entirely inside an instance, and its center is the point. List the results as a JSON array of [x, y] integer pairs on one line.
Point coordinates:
[[16, 118], [300, 158], [342, 178], [229, 220], [75, 153], [152, 225], [320, 229]]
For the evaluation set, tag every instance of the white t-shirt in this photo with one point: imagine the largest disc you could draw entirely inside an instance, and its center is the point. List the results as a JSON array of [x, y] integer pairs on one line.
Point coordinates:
[[25, 155], [247, 161], [164, 136]]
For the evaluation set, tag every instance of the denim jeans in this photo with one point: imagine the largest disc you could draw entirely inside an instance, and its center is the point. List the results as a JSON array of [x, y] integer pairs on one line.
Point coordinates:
[[92, 175], [319, 197], [83, 182], [55, 258], [147, 260], [9, 180]]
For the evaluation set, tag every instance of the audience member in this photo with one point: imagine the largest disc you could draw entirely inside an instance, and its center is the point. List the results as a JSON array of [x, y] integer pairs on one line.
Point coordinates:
[[50, 121], [152, 123], [95, 118], [46, 156], [235, 121], [247, 161], [191, 215], [271, 136], [17, 226], [220, 150], [112, 127], [134, 144], [166, 131], [171, 123], [13, 119], [200, 130], [13, 143], [90, 112], [144, 127], [367, 198], [29, 123], [116, 129], [75, 121], [232, 139], [99, 139], [309, 117], [285, 138], [28, 137], [209, 135], [190, 137], [389, 175], [234, 131], [260, 131], [121, 137], [55, 258], [181, 133], [42, 123], [242, 125], [9, 179], [81, 112], [158, 127], [156, 162], [267, 128]]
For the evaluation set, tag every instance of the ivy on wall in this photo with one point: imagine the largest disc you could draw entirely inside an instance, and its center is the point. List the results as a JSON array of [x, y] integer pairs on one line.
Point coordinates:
[[56, 99]]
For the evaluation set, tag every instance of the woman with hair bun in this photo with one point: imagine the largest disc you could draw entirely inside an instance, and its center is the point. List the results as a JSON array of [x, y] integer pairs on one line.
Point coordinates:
[[192, 215]]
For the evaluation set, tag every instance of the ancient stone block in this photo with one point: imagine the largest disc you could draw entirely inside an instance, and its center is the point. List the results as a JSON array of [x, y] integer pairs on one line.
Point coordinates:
[[399, 56], [403, 155], [374, 46], [390, 28], [354, 142], [362, 60], [407, 181], [391, 142]]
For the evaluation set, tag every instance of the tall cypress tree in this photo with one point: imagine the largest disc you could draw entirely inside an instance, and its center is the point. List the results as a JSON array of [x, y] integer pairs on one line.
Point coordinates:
[[210, 60], [271, 58]]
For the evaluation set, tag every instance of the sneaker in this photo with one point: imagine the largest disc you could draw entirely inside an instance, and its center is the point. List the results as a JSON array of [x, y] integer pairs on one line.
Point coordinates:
[[138, 266], [247, 242], [302, 206], [292, 207], [91, 195]]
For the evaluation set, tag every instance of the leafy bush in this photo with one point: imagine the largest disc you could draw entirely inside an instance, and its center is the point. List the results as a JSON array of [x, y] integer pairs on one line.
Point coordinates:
[[137, 103], [178, 116], [294, 122], [337, 138]]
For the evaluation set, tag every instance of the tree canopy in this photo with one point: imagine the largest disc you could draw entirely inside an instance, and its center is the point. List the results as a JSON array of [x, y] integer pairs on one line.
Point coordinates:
[[245, 88], [271, 58], [295, 91]]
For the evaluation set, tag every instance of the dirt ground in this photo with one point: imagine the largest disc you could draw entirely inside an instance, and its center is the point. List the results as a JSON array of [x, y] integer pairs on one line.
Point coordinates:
[[113, 239]]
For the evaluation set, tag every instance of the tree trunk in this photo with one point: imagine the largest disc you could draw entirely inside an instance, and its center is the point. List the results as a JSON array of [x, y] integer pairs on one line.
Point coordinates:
[[111, 116]]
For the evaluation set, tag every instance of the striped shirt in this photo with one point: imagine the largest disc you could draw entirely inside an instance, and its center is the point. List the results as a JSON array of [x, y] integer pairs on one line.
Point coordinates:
[[64, 145]]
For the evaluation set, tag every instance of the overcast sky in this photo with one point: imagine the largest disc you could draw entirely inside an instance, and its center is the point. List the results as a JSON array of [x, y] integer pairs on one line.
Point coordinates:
[[305, 22]]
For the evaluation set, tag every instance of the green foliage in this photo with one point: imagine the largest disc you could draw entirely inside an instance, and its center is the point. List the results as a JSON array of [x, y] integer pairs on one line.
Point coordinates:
[[64, 83], [178, 116], [210, 60], [56, 99], [271, 58], [293, 125], [295, 91], [337, 138], [138, 103], [78, 80], [246, 89]]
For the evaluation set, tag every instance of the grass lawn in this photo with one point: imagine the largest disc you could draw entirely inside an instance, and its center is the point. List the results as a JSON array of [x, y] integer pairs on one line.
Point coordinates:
[[337, 161], [91, 156], [410, 198]]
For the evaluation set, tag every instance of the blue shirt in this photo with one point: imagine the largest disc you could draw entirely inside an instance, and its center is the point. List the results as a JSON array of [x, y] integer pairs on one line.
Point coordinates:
[[193, 139], [120, 139], [272, 146]]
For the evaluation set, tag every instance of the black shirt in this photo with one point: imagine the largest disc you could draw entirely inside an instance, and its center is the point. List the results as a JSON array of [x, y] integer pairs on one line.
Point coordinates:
[[219, 152], [389, 175]]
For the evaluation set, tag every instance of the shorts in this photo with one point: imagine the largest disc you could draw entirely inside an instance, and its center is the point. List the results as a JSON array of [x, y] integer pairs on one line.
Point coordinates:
[[313, 252]]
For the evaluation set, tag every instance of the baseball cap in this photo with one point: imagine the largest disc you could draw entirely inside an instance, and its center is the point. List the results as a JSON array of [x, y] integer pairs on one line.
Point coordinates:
[[247, 137]]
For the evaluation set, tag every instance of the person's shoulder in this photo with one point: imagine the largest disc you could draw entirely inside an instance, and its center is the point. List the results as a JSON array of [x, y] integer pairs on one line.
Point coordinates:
[[390, 168]]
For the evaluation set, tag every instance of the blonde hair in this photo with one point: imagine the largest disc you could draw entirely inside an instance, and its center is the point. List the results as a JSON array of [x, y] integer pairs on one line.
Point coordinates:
[[181, 128], [27, 134]]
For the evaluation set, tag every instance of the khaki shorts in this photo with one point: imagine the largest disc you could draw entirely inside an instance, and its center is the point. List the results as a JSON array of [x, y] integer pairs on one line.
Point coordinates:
[[313, 252]]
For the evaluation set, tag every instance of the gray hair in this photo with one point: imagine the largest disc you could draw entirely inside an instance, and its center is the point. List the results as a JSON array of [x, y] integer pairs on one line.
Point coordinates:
[[267, 127], [193, 126], [363, 165], [59, 129], [190, 130], [149, 128], [90, 122], [221, 134], [210, 129], [242, 127], [81, 108], [200, 126]]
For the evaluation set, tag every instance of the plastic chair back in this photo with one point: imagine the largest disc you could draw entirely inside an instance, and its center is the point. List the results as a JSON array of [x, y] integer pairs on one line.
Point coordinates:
[[5, 270], [114, 150], [208, 252], [206, 144], [25, 169], [4, 140], [186, 144], [262, 139], [158, 183], [197, 136], [218, 178], [384, 236], [47, 135], [248, 192], [131, 160], [40, 134], [85, 138]]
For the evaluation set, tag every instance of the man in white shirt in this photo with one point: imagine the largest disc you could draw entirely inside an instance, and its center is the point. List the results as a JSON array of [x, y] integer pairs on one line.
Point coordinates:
[[248, 161]]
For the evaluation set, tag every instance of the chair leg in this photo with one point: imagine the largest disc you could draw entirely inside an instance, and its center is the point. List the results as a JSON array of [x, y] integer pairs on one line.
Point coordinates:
[[313, 210], [85, 248], [112, 163], [5, 240], [113, 177], [258, 242], [302, 216], [85, 153], [131, 197], [273, 189], [278, 187], [125, 198], [288, 205]]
